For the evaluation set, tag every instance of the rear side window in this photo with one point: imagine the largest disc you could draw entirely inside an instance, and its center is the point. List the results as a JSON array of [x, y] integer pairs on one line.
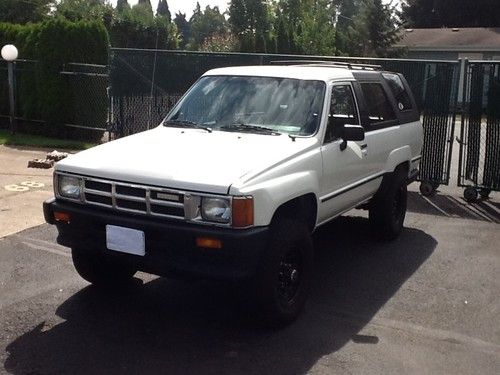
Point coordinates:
[[378, 105], [399, 91]]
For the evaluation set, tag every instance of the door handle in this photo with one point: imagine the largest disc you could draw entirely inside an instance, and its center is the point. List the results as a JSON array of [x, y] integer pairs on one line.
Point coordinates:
[[364, 149]]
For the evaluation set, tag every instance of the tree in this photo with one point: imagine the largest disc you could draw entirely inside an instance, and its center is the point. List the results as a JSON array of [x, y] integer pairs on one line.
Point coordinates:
[[451, 13], [305, 27], [143, 12], [163, 10], [206, 24], [347, 11], [122, 5], [315, 33], [76, 10], [375, 30], [16, 11], [372, 32], [219, 43], [184, 29], [250, 21]]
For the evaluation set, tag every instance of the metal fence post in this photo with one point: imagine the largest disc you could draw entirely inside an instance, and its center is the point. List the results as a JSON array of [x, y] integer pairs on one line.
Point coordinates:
[[9, 53], [12, 97]]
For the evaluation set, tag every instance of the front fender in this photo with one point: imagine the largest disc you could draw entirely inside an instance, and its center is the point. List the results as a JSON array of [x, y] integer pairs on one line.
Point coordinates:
[[269, 195]]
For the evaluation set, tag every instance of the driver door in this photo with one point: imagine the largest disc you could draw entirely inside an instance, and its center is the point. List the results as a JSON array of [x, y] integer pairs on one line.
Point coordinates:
[[345, 165]]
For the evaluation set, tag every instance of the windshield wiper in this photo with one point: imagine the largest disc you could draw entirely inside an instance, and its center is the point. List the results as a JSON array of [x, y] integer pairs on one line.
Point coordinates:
[[240, 127], [186, 124]]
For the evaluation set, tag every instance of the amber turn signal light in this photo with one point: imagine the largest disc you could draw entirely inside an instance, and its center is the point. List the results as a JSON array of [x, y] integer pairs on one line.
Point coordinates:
[[208, 243], [242, 212], [61, 216]]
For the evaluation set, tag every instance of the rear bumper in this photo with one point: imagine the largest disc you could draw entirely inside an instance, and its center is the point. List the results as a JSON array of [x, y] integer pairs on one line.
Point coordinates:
[[170, 246]]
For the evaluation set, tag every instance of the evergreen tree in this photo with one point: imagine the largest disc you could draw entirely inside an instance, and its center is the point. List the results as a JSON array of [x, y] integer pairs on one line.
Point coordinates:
[[206, 24], [16, 11], [250, 22], [347, 11], [375, 30], [316, 34], [143, 12], [184, 29], [163, 10], [122, 5]]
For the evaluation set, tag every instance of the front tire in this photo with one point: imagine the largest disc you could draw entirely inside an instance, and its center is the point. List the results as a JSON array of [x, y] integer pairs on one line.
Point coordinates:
[[284, 276], [99, 270], [388, 207]]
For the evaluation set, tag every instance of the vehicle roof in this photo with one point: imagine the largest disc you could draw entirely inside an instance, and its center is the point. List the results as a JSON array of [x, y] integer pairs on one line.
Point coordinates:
[[304, 72]]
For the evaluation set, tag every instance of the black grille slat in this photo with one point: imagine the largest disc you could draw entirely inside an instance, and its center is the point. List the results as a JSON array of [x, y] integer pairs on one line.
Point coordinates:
[[131, 205], [130, 191], [163, 210], [98, 199], [100, 186]]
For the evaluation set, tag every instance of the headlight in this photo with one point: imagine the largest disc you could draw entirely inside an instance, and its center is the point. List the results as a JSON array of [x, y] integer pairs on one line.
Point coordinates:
[[216, 209], [69, 187]]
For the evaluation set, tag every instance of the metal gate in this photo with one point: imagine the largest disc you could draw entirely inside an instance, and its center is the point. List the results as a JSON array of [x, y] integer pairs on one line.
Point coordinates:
[[479, 161]]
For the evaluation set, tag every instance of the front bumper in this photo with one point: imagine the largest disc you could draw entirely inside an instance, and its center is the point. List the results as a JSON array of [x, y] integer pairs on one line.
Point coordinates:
[[170, 246]]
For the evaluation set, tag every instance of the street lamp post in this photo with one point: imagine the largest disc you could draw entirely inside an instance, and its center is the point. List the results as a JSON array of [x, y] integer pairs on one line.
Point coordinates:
[[9, 54]]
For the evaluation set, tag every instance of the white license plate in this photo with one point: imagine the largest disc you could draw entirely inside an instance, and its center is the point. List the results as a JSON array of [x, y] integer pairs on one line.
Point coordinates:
[[125, 240]]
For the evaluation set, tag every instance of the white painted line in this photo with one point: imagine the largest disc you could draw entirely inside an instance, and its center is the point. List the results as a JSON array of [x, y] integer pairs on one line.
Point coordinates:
[[46, 249], [493, 207], [436, 206], [477, 211], [485, 213], [432, 333]]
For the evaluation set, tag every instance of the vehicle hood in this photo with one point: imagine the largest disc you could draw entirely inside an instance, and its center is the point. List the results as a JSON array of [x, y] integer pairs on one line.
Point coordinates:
[[186, 159]]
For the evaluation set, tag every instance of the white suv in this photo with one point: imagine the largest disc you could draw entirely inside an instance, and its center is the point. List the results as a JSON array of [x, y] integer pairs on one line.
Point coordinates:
[[234, 181]]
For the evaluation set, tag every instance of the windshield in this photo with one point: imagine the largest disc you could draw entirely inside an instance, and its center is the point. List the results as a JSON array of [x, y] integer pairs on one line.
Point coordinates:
[[279, 105]]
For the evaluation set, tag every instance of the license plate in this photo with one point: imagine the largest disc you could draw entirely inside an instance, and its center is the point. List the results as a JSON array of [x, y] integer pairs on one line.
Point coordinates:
[[125, 240]]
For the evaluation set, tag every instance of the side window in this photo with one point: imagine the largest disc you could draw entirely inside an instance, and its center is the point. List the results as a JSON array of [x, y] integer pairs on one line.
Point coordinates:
[[378, 105], [399, 91], [342, 111]]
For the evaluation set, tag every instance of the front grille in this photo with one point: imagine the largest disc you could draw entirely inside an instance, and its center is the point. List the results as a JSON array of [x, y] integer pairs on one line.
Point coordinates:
[[133, 198]]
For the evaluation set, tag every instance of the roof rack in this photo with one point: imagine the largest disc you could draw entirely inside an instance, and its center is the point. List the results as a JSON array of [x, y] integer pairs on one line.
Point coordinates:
[[333, 64]]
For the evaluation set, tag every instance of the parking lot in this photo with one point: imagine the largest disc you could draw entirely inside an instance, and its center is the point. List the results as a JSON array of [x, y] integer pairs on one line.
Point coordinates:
[[426, 303]]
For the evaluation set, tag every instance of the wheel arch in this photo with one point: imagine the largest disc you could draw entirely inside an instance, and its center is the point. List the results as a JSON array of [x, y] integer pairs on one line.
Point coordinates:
[[304, 208]]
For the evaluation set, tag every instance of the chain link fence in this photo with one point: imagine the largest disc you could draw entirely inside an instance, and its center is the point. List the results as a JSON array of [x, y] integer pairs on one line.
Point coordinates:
[[83, 100]]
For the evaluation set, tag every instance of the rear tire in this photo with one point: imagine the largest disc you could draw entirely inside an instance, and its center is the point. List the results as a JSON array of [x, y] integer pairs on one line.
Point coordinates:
[[99, 270], [388, 206], [283, 279]]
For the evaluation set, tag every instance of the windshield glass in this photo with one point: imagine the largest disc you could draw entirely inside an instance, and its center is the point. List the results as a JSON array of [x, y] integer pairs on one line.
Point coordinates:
[[281, 105]]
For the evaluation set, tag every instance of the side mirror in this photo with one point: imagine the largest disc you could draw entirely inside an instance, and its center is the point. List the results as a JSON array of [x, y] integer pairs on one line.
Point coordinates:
[[353, 133]]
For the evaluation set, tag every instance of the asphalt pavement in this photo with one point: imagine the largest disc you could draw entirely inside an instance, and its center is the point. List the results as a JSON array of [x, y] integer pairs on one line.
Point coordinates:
[[427, 303]]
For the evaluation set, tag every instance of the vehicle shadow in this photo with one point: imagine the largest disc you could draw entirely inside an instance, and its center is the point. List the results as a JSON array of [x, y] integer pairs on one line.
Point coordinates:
[[449, 206], [168, 326]]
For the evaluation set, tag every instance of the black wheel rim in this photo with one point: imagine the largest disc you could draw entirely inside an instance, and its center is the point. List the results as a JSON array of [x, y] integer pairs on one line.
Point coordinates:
[[290, 275], [398, 205]]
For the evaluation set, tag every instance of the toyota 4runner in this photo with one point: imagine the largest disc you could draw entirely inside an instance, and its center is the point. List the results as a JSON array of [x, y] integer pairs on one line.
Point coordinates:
[[234, 181]]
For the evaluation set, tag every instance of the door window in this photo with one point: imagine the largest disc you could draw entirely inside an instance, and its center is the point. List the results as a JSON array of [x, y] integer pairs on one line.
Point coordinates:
[[342, 111]]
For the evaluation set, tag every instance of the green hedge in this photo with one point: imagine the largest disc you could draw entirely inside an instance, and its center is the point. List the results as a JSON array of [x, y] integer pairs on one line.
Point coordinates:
[[43, 93]]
